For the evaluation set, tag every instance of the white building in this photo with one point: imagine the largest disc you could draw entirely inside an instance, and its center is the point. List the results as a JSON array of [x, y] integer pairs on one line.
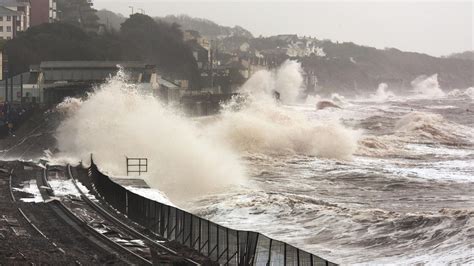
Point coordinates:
[[15, 16]]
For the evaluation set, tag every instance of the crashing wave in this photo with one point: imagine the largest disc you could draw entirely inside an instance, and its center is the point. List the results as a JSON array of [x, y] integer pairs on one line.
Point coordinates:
[[467, 93], [427, 87], [382, 94]]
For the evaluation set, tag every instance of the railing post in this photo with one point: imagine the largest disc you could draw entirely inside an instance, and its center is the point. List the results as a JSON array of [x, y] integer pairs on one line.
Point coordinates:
[[227, 242], [208, 238], [239, 260], [200, 232], [270, 252], [191, 231], [126, 202], [298, 256]]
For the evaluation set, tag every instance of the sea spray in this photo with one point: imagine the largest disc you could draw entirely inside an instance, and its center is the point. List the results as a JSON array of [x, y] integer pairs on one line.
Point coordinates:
[[192, 157], [265, 125], [287, 80], [427, 87], [116, 121], [382, 94], [458, 93]]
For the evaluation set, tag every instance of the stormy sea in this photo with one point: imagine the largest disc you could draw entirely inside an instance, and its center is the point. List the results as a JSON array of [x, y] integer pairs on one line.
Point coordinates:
[[379, 178], [405, 196]]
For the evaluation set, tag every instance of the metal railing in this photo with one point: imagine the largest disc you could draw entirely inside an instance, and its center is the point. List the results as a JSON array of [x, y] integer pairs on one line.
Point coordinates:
[[221, 244]]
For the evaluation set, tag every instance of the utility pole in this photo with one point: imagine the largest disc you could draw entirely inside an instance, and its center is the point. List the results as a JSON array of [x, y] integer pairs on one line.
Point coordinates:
[[6, 89], [5, 75], [11, 88], [212, 64], [21, 90], [131, 7]]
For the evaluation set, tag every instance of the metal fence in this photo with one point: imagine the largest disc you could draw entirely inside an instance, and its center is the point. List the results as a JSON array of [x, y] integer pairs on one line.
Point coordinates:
[[221, 244]]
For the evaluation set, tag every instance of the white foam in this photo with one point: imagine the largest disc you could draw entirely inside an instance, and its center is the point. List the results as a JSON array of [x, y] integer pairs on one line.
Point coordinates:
[[427, 87], [30, 187], [63, 188], [117, 121], [150, 193], [382, 94]]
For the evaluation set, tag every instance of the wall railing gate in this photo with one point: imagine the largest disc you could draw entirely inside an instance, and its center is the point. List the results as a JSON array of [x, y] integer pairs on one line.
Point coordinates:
[[221, 244]]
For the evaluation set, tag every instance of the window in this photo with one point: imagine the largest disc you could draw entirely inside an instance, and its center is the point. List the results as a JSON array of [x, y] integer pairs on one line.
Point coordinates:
[[9, 38], [1, 18], [9, 29], [1, 28], [9, 18]]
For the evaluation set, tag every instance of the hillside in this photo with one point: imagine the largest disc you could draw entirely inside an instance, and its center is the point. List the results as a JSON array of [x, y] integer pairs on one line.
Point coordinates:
[[351, 68], [345, 67], [468, 55], [354, 68], [207, 28]]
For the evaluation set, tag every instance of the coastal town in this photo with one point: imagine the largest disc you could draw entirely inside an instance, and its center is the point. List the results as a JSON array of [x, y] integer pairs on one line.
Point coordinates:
[[160, 138]]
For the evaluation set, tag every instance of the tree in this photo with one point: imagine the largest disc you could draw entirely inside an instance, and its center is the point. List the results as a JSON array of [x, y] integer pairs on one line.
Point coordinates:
[[161, 44], [59, 41], [140, 39], [79, 13]]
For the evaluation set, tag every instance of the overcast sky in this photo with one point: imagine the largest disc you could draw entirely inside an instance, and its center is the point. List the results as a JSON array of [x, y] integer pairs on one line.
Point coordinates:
[[436, 28]]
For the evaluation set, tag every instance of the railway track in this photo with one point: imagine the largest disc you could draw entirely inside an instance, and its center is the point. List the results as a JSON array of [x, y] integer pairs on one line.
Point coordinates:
[[156, 247], [77, 213]]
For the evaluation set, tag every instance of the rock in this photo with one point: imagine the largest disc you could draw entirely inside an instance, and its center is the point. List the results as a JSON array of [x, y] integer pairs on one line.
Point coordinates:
[[326, 104]]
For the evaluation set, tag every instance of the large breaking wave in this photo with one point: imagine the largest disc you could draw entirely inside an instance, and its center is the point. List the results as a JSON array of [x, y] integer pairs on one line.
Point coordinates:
[[189, 158]]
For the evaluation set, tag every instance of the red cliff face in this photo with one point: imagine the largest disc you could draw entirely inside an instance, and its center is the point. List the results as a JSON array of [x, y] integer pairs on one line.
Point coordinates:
[[39, 12]]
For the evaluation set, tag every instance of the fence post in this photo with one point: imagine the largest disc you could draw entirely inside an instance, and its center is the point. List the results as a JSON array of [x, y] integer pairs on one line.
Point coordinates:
[[191, 232], [255, 249], [227, 242], [298, 256], [217, 244], [239, 260], [200, 232], [208, 238], [270, 252], [168, 222], [126, 202]]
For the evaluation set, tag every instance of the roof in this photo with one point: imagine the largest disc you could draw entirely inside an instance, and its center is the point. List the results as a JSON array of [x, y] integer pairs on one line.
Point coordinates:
[[91, 64], [17, 80], [195, 46], [8, 12], [15, 2], [167, 83]]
